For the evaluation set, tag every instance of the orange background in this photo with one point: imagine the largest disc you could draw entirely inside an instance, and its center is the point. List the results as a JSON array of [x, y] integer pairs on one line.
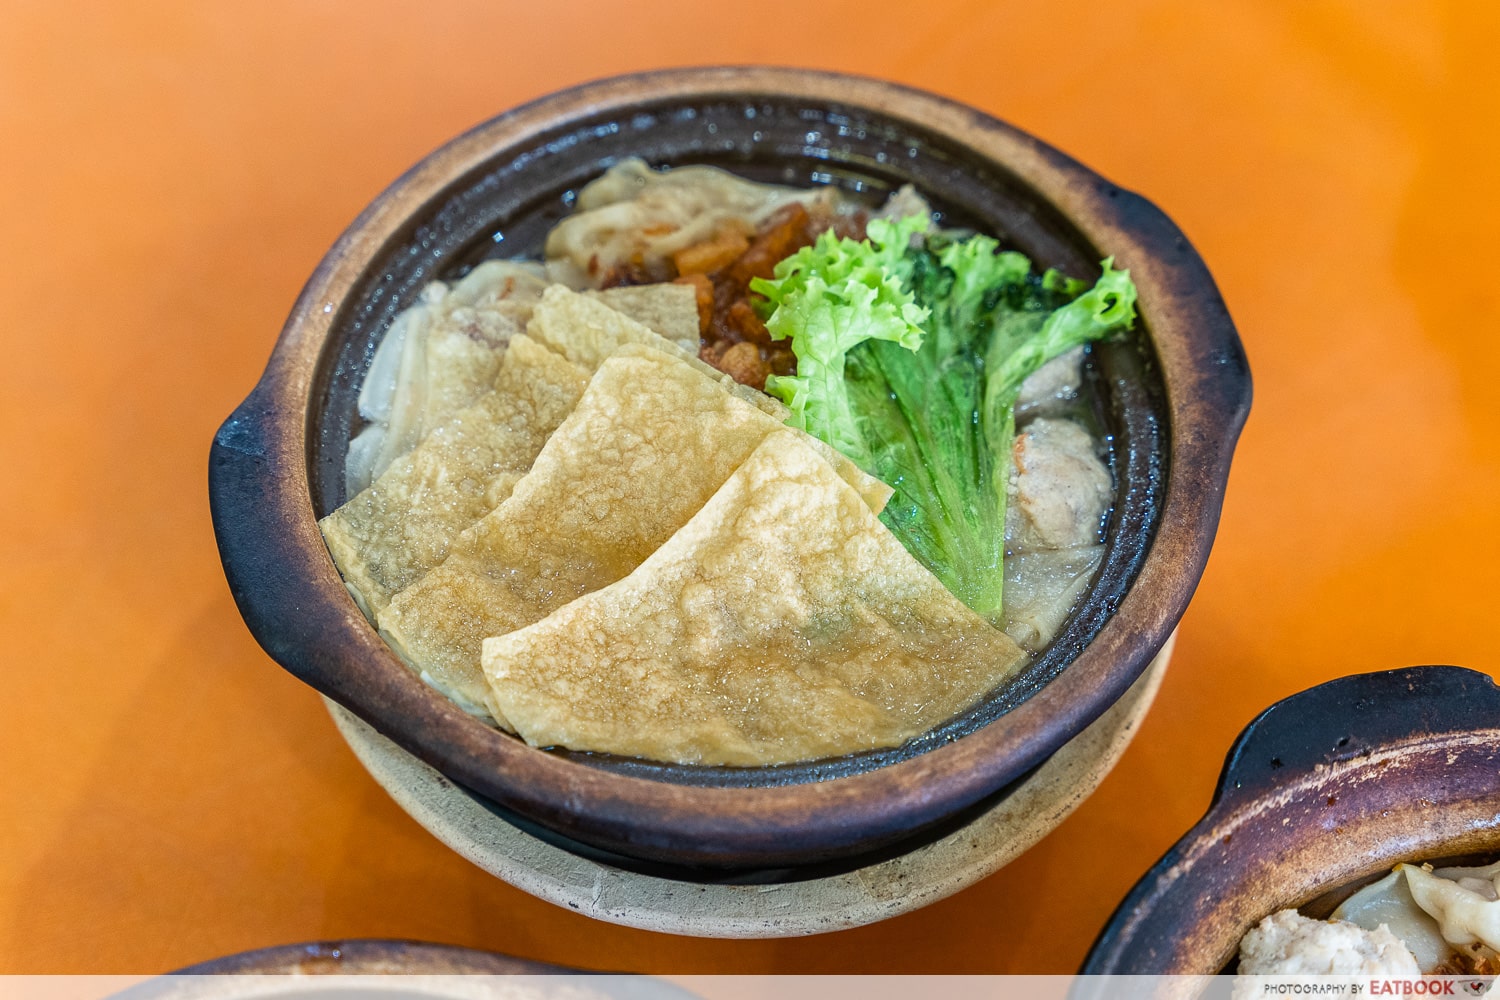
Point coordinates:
[[171, 172]]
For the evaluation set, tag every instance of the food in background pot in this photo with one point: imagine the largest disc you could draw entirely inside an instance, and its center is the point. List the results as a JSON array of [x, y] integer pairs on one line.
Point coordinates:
[[1444, 921], [1289, 944]]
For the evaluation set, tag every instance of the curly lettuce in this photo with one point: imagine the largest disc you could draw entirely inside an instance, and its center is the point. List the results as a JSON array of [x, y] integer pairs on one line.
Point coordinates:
[[829, 298], [910, 357]]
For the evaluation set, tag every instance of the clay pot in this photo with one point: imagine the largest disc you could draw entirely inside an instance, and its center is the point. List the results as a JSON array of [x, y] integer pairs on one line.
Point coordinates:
[[1324, 792], [1173, 398]]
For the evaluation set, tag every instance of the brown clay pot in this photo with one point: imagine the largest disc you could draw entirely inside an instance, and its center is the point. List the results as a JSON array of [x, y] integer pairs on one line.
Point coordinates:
[[1324, 792], [391, 970], [369, 957], [1173, 398]]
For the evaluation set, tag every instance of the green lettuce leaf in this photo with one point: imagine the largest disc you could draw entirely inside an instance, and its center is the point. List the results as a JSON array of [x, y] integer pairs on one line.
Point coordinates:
[[910, 359], [827, 299], [920, 415]]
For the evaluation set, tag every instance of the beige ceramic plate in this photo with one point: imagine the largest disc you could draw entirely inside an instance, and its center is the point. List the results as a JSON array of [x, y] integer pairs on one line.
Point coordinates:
[[778, 909]]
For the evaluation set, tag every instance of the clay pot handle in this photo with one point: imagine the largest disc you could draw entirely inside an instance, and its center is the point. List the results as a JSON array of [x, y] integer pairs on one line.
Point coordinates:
[[1350, 716], [270, 545]]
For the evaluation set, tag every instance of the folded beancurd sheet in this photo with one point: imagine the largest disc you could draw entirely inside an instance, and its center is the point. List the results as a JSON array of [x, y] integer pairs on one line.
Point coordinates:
[[586, 329], [648, 444], [783, 622], [439, 357], [398, 528], [671, 310], [391, 533], [621, 549]]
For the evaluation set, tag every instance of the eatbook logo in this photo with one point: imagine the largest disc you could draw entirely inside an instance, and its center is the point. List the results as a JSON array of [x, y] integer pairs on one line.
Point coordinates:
[[1431, 986]]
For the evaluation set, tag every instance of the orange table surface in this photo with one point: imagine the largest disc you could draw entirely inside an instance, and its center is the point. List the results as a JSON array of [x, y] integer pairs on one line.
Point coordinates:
[[170, 173]]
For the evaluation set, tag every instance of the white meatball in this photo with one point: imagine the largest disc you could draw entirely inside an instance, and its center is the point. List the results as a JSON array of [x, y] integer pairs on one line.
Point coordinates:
[[1059, 490]]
